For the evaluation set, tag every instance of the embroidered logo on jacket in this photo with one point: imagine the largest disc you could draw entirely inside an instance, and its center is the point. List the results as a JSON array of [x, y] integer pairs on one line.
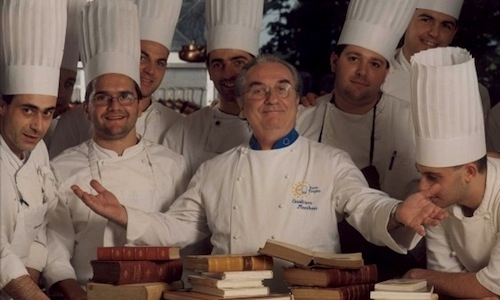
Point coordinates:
[[302, 192]]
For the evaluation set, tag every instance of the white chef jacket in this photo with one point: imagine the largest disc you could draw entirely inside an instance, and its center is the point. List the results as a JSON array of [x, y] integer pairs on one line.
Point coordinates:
[[493, 129], [205, 134], [75, 128], [27, 194], [147, 176], [394, 146], [471, 244], [397, 82], [295, 194]]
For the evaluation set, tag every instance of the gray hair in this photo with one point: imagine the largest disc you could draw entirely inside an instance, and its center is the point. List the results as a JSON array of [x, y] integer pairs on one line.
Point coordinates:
[[265, 58]]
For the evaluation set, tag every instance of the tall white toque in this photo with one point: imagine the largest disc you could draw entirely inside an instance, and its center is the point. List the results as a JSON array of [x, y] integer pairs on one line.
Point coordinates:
[[447, 110], [157, 20], [448, 7], [71, 51], [377, 25], [31, 46], [109, 39], [234, 24]]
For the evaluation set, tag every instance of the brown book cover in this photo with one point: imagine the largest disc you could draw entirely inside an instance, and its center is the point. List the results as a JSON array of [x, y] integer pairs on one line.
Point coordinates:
[[139, 271], [330, 277], [307, 258], [138, 253], [350, 292], [187, 295], [225, 263], [137, 291]]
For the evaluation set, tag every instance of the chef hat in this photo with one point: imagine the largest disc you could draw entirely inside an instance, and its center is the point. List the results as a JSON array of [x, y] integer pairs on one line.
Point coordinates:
[[234, 24], [157, 20], [447, 110], [109, 39], [377, 25], [71, 52], [449, 7], [31, 46]]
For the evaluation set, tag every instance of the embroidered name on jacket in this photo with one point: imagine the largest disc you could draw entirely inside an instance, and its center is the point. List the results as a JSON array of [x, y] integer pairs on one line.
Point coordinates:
[[302, 192]]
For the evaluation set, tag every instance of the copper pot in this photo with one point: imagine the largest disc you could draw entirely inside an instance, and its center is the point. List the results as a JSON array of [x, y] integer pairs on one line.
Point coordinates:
[[193, 53]]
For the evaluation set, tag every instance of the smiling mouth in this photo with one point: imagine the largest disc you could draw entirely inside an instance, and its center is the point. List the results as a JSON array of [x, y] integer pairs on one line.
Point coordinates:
[[429, 43]]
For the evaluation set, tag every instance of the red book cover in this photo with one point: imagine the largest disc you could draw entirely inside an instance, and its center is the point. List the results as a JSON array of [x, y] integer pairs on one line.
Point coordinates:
[[330, 277], [138, 253], [130, 271]]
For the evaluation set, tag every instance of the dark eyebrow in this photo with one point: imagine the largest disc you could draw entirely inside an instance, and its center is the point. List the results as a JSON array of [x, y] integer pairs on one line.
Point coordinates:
[[426, 16], [238, 57], [34, 107]]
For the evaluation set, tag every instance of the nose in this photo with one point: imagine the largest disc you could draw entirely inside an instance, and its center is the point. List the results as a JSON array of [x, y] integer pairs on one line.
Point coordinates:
[[423, 184], [229, 71], [271, 96], [361, 69], [113, 103], [434, 30], [148, 67], [36, 123]]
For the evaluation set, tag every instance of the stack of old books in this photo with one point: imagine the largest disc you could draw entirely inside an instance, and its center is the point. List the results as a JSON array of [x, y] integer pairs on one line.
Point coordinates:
[[319, 275], [403, 289], [135, 273], [227, 276]]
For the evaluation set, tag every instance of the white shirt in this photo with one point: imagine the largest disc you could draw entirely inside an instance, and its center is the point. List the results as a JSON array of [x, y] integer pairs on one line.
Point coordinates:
[[295, 194], [471, 244], [27, 194], [74, 127], [394, 145], [205, 134], [147, 176], [397, 82], [493, 129]]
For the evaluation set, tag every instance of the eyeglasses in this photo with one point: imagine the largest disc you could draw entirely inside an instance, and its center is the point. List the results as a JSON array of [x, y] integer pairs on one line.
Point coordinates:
[[103, 99], [262, 91]]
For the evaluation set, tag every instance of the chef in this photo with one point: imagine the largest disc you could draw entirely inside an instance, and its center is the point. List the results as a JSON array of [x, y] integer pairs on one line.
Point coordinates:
[[463, 251], [278, 185], [69, 66], [31, 50], [146, 175], [374, 128], [433, 24], [233, 28], [157, 21]]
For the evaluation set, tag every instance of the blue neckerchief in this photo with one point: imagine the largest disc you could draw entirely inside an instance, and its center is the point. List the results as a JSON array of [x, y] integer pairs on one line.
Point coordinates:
[[285, 141]]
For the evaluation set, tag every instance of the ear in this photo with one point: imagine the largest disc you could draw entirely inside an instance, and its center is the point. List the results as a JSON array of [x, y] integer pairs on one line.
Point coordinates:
[[334, 58], [86, 109], [471, 171], [3, 107]]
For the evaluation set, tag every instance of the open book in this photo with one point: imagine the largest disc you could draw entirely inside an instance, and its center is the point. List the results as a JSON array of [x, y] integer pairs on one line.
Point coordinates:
[[307, 258]]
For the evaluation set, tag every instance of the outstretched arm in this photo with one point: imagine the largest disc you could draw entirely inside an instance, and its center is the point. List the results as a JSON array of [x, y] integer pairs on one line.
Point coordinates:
[[460, 285], [104, 203], [418, 210]]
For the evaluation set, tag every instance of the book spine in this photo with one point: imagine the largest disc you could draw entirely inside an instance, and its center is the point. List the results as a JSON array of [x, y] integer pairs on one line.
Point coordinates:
[[356, 292], [135, 253], [230, 263], [342, 277], [127, 272]]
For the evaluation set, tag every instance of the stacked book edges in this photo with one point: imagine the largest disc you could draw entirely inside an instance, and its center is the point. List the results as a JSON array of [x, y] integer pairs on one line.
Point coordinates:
[[403, 289], [227, 277], [137, 264], [320, 275]]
